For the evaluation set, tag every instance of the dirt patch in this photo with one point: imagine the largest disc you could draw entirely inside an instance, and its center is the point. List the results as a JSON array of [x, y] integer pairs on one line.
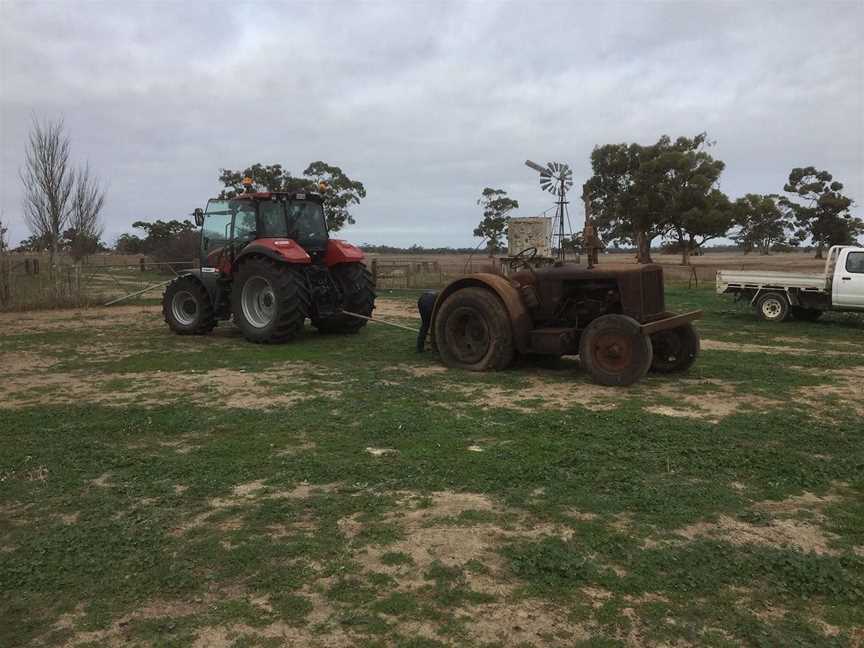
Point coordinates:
[[385, 308], [421, 371], [67, 319], [806, 535], [102, 481], [778, 533], [15, 362], [845, 387], [433, 532], [551, 395], [224, 388], [240, 496], [722, 345], [524, 622], [722, 401], [540, 393], [116, 634]]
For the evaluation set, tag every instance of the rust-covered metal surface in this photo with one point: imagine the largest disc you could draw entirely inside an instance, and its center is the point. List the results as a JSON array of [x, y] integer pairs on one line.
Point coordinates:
[[520, 319]]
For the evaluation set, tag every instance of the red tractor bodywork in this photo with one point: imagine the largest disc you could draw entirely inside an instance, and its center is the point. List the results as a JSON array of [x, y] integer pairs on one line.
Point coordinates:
[[267, 261]]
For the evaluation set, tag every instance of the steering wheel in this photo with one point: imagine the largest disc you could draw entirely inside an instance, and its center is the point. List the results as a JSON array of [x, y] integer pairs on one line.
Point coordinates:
[[523, 259]]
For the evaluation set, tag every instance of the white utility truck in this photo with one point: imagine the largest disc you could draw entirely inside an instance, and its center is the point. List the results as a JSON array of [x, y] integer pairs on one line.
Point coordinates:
[[778, 296]]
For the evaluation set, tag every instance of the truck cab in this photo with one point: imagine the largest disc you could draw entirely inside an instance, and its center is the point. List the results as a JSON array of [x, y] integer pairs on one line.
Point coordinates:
[[845, 271]]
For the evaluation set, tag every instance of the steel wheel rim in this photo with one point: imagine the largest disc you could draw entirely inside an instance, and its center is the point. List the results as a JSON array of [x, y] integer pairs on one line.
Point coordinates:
[[258, 302], [184, 308], [771, 308], [468, 335], [612, 352]]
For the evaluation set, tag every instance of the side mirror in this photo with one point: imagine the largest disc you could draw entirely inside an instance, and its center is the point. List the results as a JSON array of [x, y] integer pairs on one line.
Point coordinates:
[[199, 216]]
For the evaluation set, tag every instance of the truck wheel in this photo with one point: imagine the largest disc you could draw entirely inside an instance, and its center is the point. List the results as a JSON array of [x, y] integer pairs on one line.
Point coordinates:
[[186, 307], [772, 307], [675, 349], [358, 296], [614, 352], [473, 331], [269, 301], [806, 314]]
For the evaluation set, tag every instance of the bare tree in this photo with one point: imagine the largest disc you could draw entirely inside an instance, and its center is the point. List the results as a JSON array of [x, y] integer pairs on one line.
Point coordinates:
[[48, 181], [85, 227]]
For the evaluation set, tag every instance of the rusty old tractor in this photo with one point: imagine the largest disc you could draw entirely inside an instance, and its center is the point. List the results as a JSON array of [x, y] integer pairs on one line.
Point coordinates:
[[268, 262], [614, 318]]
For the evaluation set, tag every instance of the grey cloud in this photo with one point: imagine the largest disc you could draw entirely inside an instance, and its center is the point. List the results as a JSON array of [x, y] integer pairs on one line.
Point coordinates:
[[425, 103]]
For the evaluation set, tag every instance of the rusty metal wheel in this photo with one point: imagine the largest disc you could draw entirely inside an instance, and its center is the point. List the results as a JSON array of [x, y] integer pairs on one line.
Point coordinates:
[[613, 350], [473, 331]]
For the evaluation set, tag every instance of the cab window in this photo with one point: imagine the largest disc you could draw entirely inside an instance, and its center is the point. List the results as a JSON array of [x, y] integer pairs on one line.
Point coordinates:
[[272, 219], [244, 221], [217, 225], [855, 262]]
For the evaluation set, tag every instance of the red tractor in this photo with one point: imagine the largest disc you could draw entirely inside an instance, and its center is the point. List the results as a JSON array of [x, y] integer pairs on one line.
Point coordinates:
[[268, 262]]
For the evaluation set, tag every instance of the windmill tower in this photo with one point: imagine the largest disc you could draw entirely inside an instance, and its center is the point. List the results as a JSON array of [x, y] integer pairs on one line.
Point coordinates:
[[557, 178]]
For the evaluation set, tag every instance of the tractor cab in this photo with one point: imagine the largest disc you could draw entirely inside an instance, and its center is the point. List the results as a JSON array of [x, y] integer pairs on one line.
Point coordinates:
[[228, 225]]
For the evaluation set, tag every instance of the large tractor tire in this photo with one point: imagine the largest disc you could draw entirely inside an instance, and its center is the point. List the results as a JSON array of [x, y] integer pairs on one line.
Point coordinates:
[[358, 296], [772, 307], [614, 352], [675, 349], [269, 301], [186, 307], [473, 331]]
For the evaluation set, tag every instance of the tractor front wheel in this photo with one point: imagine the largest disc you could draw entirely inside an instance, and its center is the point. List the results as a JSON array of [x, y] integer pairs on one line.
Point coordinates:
[[186, 307], [473, 331], [358, 296], [614, 352], [675, 349], [269, 301]]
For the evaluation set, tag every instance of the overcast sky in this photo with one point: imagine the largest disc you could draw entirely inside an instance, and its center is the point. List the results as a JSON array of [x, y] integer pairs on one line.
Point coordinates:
[[425, 103]]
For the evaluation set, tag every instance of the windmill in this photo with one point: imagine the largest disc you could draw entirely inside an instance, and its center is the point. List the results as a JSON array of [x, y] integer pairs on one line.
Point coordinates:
[[556, 178]]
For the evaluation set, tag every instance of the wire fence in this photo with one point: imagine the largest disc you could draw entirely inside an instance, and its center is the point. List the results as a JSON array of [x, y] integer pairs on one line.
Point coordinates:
[[33, 282]]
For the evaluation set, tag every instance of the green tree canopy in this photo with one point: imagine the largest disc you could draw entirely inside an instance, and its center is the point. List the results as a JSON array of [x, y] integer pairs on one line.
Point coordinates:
[[168, 240], [820, 210], [685, 177], [638, 193], [760, 223], [496, 207], [341, 195]]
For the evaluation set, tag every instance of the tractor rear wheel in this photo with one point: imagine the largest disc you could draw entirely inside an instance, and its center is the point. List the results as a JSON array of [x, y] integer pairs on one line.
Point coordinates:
[[269, 301], [614, 352], [358, 296], [473, 331], [675, 349], [186, 307]]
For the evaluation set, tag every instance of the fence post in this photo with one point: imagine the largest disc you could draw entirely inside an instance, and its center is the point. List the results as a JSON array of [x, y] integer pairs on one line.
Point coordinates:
[[27, 267], [374, 272], [141, 264]]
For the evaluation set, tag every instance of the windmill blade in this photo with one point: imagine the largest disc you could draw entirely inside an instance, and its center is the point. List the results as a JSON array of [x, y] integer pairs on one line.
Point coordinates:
[[535, 166]]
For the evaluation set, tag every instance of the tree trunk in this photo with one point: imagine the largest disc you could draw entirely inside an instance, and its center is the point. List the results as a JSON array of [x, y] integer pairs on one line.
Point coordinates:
[[643, 247], [820, 248]]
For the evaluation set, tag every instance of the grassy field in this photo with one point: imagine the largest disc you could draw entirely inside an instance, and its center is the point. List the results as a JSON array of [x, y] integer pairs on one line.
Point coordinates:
[[345, 491]]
